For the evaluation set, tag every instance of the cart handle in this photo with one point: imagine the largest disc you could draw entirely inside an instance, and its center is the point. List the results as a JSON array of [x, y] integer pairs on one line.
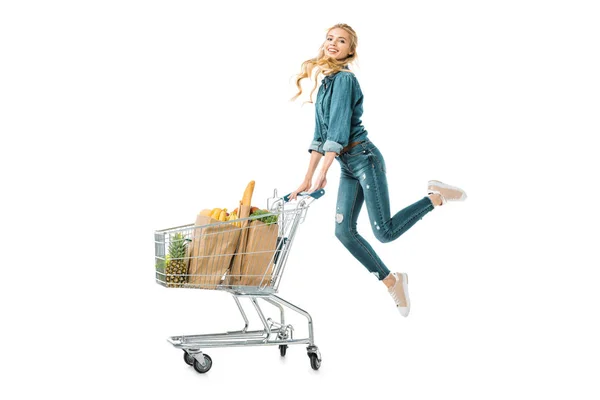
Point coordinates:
[[315, 195]]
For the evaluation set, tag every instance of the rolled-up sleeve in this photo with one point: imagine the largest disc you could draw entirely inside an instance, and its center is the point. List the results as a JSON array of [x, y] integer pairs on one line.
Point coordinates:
[[330, 145], [317, 142], [340, 116], [317, 146]]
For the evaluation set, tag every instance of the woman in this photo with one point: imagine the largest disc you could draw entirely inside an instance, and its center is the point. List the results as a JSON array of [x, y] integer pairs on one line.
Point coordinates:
[[339, 134]]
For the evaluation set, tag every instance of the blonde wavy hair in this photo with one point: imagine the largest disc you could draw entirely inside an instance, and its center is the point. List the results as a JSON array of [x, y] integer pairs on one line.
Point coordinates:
[[326, 65]]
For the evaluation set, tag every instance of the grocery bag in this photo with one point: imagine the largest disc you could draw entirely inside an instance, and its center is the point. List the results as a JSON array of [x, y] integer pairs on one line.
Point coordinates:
[[253, 262], [211, 251], [257, 264]]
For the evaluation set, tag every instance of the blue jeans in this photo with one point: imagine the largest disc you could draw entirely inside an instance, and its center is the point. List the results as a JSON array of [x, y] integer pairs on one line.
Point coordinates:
[[363, 179]]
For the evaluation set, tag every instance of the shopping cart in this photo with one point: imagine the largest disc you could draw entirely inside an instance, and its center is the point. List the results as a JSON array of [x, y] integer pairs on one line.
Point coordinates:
[[245, 258]]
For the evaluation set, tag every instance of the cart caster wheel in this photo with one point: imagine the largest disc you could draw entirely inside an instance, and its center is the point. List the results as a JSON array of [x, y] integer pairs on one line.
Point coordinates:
[[283, 349], [189, 360], [315, 363], [203, 369]]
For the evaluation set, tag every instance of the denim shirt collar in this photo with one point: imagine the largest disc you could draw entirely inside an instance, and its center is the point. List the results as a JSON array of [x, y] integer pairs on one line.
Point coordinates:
[[329, 78]]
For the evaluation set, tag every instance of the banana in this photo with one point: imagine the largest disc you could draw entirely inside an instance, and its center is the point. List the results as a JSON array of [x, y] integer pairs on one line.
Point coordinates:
[[223, 215], [215, 213], [232, 217]]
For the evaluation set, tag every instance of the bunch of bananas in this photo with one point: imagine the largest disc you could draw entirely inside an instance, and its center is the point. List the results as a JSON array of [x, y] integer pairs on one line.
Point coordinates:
[[221, 214]]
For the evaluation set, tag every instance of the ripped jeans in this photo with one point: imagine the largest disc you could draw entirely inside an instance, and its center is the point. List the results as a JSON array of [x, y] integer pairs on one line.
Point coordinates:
[[363, 179]]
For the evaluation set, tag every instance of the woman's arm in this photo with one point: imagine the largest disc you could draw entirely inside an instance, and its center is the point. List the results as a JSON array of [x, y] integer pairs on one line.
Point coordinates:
[[315, 158], [321, 180], [340, 118], [340, 114]]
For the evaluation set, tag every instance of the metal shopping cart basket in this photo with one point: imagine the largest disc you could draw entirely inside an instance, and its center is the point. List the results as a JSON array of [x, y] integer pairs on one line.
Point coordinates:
[[245, 258]]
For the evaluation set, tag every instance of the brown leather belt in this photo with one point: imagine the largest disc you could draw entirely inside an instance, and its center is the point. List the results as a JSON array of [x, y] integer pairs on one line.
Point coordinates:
[[347, 148]]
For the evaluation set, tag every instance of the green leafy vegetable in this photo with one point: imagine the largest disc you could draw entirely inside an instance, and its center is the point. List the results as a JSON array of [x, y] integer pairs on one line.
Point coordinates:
[[271, 219]]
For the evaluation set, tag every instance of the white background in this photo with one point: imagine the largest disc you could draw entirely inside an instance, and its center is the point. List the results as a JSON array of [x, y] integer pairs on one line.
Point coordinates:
[[122, 117]]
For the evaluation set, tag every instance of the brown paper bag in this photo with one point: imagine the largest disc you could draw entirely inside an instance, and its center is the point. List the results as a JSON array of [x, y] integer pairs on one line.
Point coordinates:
[[257, 267], [233, 278], [211, 252], [253, 262]]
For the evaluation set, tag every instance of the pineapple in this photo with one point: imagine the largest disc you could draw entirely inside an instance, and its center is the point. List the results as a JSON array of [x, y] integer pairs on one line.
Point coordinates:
[[176, 261]]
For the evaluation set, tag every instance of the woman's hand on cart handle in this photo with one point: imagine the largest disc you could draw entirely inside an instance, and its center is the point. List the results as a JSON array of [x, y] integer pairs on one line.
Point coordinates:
[[315, 195], [304, 186], [320, 182]]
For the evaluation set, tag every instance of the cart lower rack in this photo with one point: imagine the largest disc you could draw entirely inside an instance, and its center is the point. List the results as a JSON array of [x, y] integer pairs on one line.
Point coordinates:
[[246, 258]]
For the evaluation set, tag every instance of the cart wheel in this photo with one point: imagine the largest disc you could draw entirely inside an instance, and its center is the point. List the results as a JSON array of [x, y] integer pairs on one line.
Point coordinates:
[[189, 360], [314, 361], [283, 349], [202, 369]]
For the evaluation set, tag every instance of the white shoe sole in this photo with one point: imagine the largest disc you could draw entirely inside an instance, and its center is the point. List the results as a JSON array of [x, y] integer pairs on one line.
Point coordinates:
[[443, 185], [405, 310]]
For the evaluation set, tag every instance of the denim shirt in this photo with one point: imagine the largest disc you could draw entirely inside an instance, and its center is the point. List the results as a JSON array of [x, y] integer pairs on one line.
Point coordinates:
[[338, 110]]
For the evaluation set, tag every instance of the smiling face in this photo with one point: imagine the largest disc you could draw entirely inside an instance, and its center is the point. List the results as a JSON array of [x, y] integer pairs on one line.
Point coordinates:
[[337, 44]]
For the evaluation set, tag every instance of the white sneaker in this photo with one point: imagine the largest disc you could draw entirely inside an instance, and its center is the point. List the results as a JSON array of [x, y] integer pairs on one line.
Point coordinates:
[[447, 192], [399, 293]]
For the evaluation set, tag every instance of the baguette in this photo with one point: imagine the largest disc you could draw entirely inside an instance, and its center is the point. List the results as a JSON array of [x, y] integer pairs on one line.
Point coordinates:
[[247, 199]]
